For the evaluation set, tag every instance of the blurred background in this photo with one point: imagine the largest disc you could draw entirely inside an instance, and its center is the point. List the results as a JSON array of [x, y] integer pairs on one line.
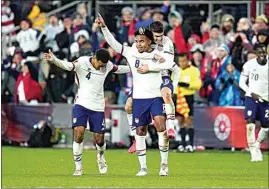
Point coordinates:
[[218, 36]]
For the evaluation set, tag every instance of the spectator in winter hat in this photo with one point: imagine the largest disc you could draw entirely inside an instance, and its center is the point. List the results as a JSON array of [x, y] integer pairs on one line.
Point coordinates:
[[80, 37], [227, 22], [178, 31], [262, 22]]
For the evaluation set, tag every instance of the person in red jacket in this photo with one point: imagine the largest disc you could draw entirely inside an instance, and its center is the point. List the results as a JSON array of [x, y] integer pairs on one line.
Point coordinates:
[[27, 88]]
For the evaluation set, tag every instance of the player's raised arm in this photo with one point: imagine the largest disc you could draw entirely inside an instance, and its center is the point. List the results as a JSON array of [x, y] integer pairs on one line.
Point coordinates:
[[50, 57], [119, 48]]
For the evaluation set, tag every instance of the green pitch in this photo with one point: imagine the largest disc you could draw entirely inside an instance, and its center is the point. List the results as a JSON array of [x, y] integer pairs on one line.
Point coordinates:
[[22, 167]]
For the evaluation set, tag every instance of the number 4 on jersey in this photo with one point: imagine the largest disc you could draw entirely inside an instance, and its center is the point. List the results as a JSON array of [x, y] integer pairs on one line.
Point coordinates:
[[88, 76]]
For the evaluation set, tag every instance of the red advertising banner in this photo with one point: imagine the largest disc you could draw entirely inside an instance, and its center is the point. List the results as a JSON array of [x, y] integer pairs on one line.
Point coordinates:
[[222, 127]]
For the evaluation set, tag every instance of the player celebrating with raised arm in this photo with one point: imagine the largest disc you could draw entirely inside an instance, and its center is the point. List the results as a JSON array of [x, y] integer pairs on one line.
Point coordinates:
[[90, 103], [147, 99], [257, 99], [168, 88]]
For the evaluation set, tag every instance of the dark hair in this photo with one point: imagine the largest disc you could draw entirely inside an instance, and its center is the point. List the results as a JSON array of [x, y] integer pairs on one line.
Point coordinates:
[[259, 46], [102, 55], [215, 26], [146, 32], [251, 52], [183, 55], [156, 26]]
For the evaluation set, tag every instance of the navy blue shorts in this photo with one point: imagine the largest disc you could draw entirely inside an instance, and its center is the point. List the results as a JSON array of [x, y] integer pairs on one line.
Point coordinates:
[[256, 111], [167, 82], [81, 116], [143, 109]]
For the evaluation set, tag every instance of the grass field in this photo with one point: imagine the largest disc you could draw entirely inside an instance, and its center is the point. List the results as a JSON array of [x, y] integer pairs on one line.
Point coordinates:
[[22, 167]]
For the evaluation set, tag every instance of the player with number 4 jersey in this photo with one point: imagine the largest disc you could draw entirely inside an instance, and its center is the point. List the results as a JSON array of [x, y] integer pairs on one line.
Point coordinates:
[[257, 99], [90, 75]]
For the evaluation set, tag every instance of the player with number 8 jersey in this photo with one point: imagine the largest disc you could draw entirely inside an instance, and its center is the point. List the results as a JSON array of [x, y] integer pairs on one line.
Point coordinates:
[[147, 98]]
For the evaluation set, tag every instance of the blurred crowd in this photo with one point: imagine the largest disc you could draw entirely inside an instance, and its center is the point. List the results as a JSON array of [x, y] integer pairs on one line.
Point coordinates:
[[219, 50]]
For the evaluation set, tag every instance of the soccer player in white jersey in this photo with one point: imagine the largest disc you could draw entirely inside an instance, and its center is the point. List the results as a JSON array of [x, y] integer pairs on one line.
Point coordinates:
[[147, 98], [257, 99], [90, 74], [168, 88]]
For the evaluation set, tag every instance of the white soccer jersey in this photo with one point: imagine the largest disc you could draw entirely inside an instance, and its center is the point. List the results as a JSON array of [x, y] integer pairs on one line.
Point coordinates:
[[147, 85], [90, 81], [168, 48], [257, 78]]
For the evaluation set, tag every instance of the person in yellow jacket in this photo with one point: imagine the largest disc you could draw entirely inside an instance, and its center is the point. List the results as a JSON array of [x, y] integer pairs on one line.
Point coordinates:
[[37, 17], [189, 82]]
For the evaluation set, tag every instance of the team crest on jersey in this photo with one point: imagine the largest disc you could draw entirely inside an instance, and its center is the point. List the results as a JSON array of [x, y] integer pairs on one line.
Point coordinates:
[[136, 120], [74, 120], [249, 112]]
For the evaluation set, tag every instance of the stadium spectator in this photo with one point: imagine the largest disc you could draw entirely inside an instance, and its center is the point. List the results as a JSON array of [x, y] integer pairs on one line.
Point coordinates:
[[144, 17], [239, 46], [78, 25], [227, 22], [59, 82], [262, 22], [192, 41], [126, 29], [28, 41], [244, 26], [177, 32], [263, 37], [64, 38], [189, 82], [27, 88], [213, 42], [227, 84], [86, 17], [36, 15], [200, 61], [7, 18], [80, 37], [10, 72], [49, 33]]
